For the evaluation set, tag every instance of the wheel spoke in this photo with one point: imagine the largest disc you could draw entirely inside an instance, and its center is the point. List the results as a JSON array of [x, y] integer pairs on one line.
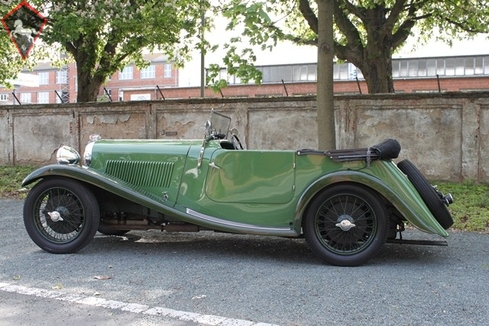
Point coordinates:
[[61, 215], [353, 238], [346, 224], [70, 209]]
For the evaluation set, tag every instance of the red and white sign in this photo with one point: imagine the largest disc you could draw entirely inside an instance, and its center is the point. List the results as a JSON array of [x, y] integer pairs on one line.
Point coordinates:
[[24, 24]]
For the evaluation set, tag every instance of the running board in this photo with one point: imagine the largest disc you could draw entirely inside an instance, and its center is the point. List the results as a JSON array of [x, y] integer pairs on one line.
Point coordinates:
[[419, 242]]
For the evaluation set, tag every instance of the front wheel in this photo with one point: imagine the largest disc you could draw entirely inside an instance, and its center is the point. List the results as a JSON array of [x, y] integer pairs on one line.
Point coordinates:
[[346, 225], [61, 215]]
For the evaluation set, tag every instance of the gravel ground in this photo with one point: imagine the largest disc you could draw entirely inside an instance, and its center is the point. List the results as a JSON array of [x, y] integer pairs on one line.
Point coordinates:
[[252, 278]]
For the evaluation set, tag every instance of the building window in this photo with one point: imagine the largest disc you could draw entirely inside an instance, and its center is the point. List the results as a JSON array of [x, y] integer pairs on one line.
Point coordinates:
[[449, 67], [301, 73], [469, 66], [25, 98], [3, 97], [126, 73], [61, 77], [342, 71], [460, 66], [43, 97], [148, 72], [43, 78], [431, 67], [167, 71]]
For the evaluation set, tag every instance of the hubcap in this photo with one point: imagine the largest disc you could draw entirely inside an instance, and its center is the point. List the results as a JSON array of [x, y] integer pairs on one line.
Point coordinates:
[[345, 223], [55, 216], [58, 214]]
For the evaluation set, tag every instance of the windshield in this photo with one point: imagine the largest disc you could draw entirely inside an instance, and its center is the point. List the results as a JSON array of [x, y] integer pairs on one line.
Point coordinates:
[[218, 126]]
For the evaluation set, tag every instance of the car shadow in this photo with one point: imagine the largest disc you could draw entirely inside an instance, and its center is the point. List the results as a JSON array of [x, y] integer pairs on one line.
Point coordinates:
[[205, 245], [214, 245]]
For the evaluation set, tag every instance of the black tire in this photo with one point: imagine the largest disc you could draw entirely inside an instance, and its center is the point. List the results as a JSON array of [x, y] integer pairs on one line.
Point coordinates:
[[359, 205], [107, 230], [427, 193], [75, 204]]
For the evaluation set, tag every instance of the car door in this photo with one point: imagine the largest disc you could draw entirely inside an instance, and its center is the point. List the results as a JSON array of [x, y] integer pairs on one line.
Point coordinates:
[[255, 177]]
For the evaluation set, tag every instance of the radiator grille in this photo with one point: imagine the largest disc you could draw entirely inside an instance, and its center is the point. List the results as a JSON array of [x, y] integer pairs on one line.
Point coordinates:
[[141, 173]]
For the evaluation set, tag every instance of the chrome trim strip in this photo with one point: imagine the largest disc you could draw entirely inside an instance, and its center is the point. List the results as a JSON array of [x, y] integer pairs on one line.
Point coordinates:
[[239, 225]]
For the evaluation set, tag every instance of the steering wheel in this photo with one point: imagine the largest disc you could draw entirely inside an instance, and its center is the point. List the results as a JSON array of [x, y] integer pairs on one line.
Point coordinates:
[[236, 142]]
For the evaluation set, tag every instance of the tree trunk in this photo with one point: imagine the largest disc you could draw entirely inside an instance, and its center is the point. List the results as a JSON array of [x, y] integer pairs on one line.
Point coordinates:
[[325, 96], [88, 82], [88, 87], [373, 56], [378, 74]]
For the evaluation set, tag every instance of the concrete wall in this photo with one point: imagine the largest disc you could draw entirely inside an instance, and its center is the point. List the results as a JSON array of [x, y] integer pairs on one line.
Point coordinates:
[[445, 135]]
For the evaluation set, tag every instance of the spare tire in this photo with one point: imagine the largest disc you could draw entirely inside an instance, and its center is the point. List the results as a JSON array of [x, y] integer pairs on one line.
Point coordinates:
[[427, 192]]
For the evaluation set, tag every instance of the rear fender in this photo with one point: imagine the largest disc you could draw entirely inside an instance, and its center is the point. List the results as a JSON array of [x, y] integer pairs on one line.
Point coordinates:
[[397, 190]]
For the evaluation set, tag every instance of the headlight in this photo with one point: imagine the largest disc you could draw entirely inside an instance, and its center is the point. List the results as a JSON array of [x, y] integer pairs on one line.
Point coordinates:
[[67, 155], [87, 154]]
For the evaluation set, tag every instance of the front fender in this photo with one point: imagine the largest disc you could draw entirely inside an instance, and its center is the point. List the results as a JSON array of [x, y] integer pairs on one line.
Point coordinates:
[[393, 185], [93, 177], [61, 170]]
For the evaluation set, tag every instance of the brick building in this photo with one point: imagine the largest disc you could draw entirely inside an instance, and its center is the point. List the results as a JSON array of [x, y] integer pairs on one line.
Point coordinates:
[[160, 80], [59, 85]]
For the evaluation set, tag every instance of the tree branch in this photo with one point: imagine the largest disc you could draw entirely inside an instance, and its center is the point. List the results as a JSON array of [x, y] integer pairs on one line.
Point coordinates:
[[466, 28], [309, 15], [405, 28], [395, 12], [354, 43]]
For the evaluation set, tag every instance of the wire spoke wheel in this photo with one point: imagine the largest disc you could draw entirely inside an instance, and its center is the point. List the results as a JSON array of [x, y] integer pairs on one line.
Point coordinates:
[[71, 218], [346, 225], [61, 215]]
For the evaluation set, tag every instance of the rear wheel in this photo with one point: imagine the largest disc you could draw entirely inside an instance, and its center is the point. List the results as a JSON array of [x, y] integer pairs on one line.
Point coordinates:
[[346, 225], [61, 215], [427, 193]]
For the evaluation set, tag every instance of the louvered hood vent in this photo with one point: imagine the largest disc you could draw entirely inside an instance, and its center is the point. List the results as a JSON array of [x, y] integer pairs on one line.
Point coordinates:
[[142, 174]]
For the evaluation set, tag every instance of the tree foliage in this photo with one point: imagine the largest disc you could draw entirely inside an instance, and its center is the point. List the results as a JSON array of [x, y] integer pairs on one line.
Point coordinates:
[[104, 36], [367, 32]]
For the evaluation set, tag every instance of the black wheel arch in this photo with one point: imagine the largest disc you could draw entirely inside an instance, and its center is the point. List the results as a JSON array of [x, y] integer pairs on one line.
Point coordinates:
[[364, 185]]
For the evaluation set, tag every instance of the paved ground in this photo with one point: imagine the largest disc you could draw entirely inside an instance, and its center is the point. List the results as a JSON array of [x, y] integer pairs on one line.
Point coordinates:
[[149, 278]]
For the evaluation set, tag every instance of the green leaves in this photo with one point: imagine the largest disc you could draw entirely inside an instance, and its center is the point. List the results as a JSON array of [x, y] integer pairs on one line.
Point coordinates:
[[363, 28], [104, 36], [238, 64]]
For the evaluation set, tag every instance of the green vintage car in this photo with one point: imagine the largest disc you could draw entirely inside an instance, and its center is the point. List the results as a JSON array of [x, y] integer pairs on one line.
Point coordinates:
[[345, 203]]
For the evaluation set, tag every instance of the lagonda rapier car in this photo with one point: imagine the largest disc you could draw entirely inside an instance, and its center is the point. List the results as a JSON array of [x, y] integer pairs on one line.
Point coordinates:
[[346, 203]]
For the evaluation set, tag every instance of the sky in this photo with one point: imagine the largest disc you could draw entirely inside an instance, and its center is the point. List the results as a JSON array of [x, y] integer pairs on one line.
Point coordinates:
[[286, 52], [476, 46]]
